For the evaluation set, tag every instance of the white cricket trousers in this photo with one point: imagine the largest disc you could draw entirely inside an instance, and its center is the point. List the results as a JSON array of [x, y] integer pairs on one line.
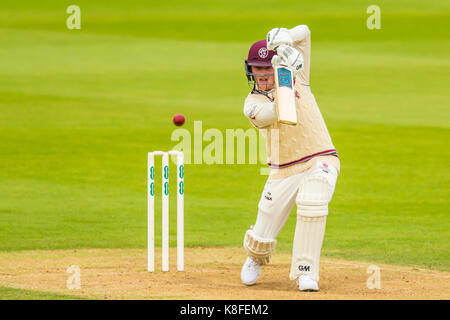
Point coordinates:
[[311, 191]]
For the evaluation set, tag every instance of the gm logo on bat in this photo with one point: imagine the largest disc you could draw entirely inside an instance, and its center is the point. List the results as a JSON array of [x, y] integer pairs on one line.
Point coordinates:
[[284, 78]]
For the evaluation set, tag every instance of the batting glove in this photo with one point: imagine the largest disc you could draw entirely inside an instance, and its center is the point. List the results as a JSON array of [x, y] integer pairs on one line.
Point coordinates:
[[289, 57], [277, 61], [277, 37]]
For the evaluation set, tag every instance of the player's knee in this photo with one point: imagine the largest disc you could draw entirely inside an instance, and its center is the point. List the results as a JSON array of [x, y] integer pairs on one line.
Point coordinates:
[[313, 196], [260, 249]]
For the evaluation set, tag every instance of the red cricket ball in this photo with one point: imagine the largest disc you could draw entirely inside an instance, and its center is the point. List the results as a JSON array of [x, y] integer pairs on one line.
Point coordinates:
[[178, 119]]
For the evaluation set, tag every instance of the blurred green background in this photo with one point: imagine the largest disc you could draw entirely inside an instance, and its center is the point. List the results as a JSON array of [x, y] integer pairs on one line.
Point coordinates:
[[80, 109]]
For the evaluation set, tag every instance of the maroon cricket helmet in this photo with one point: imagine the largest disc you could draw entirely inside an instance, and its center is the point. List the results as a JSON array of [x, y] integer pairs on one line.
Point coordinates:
[[258, 56]]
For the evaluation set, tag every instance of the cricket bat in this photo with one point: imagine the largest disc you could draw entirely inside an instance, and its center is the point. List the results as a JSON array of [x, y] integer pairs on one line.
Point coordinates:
[[285, 95]]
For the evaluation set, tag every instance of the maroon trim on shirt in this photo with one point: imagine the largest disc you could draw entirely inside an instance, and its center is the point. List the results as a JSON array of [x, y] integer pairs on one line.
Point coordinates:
[[331, 152]]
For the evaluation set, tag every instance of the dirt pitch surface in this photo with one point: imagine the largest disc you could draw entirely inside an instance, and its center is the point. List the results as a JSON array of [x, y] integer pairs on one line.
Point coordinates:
[[210, 273]]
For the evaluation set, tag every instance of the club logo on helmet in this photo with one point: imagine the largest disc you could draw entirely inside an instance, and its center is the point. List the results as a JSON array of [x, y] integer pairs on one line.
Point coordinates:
[[263, 53]]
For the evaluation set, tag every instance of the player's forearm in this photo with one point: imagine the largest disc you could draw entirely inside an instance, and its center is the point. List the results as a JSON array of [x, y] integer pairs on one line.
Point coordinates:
[[300, 33], [261, 114]]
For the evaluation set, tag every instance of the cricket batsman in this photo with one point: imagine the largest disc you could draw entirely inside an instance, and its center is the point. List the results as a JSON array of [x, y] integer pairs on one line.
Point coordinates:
[[304, 164]]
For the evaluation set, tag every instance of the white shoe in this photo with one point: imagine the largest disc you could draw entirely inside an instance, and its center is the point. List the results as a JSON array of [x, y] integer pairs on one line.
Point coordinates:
[[306, 283], [250, 271]]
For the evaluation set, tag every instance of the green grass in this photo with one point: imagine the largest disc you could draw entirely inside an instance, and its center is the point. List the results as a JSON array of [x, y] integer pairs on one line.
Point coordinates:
[[80, 109], [22, 294]]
